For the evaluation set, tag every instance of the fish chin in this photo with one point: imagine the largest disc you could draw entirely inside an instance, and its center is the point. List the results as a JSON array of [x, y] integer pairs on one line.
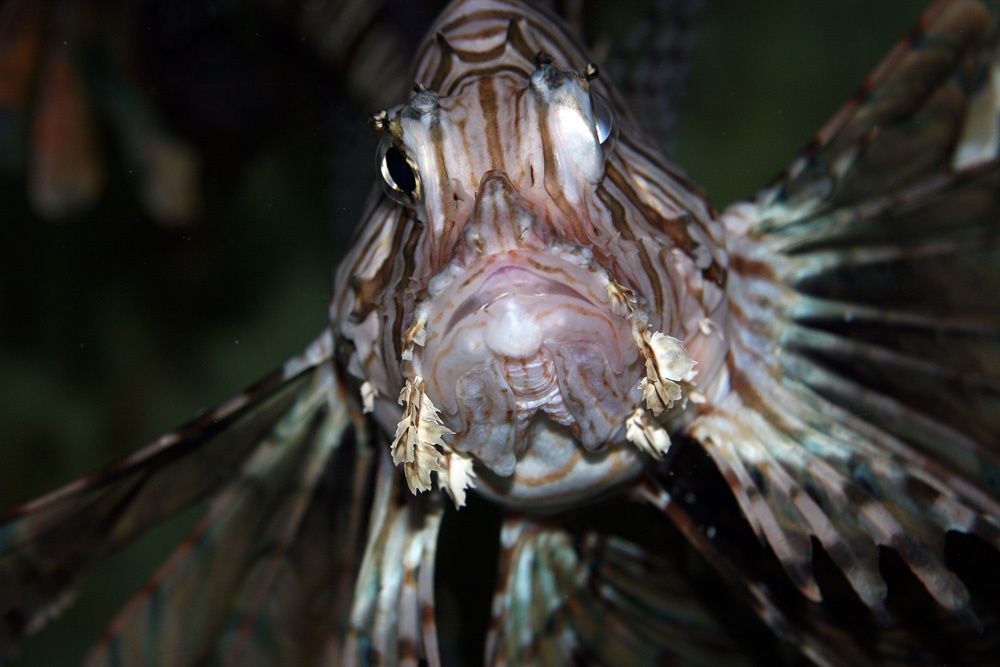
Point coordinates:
[[525, 342]]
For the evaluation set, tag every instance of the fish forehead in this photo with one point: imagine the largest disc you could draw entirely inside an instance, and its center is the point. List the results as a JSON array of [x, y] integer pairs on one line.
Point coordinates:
[[475, 45], [541, 144], [479, 59], [487, 124], [473, 38]]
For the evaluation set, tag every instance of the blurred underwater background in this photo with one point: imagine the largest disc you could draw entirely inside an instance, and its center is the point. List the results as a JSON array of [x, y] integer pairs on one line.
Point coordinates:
[[178, 179]]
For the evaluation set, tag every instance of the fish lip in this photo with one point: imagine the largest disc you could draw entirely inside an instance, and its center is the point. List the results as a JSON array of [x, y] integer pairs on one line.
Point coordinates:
[[562, 273], [533, 284]]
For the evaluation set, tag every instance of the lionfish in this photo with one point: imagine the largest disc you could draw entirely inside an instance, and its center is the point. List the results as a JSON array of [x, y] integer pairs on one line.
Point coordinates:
[[540, 317]]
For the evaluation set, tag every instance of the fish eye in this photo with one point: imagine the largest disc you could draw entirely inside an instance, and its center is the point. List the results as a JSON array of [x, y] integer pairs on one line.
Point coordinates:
[[400, 178], [604, 122]]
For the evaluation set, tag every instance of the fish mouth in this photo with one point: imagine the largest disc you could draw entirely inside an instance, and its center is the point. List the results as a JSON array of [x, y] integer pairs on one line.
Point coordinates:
[[509, 280], [524, 337]]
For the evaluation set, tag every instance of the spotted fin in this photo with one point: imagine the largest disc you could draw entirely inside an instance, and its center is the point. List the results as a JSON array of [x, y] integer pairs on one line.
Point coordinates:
[[864, 408], [600, 599], [241, 446]]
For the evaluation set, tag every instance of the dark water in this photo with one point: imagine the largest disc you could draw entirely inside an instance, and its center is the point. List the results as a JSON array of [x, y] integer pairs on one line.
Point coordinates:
[[113, 329]]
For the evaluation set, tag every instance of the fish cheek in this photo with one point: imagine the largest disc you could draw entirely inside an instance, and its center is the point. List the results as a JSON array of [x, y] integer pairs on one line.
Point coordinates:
[[590, 393], [486, 405]]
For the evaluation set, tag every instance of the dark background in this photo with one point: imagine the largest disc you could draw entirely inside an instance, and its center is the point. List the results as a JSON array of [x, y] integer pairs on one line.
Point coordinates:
[[114, 329]]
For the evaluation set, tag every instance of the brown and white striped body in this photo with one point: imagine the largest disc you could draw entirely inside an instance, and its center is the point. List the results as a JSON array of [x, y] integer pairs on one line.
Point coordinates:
[[533, 256]]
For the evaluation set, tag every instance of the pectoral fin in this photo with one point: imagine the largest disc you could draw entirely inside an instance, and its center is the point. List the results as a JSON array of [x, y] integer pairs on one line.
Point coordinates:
[[864, 389]]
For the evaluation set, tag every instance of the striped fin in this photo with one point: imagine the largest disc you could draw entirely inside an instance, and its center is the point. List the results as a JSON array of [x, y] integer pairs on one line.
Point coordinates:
[[597, 599], [840, 630], [930, 107], [392, 616], [813, 630], [239, 551], [865, 401], [48, 544], [292, 607]]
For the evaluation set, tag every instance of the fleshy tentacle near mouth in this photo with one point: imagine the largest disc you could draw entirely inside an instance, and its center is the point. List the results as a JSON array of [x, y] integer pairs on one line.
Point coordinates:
[[419, 447], [667, 366]]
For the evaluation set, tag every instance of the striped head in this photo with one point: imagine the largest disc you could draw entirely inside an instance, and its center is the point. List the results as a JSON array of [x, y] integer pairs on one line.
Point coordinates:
[[504, 282]]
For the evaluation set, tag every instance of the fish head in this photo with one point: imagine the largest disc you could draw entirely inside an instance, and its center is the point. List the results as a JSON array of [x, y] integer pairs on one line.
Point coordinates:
[[544, 137], [509, 312]]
